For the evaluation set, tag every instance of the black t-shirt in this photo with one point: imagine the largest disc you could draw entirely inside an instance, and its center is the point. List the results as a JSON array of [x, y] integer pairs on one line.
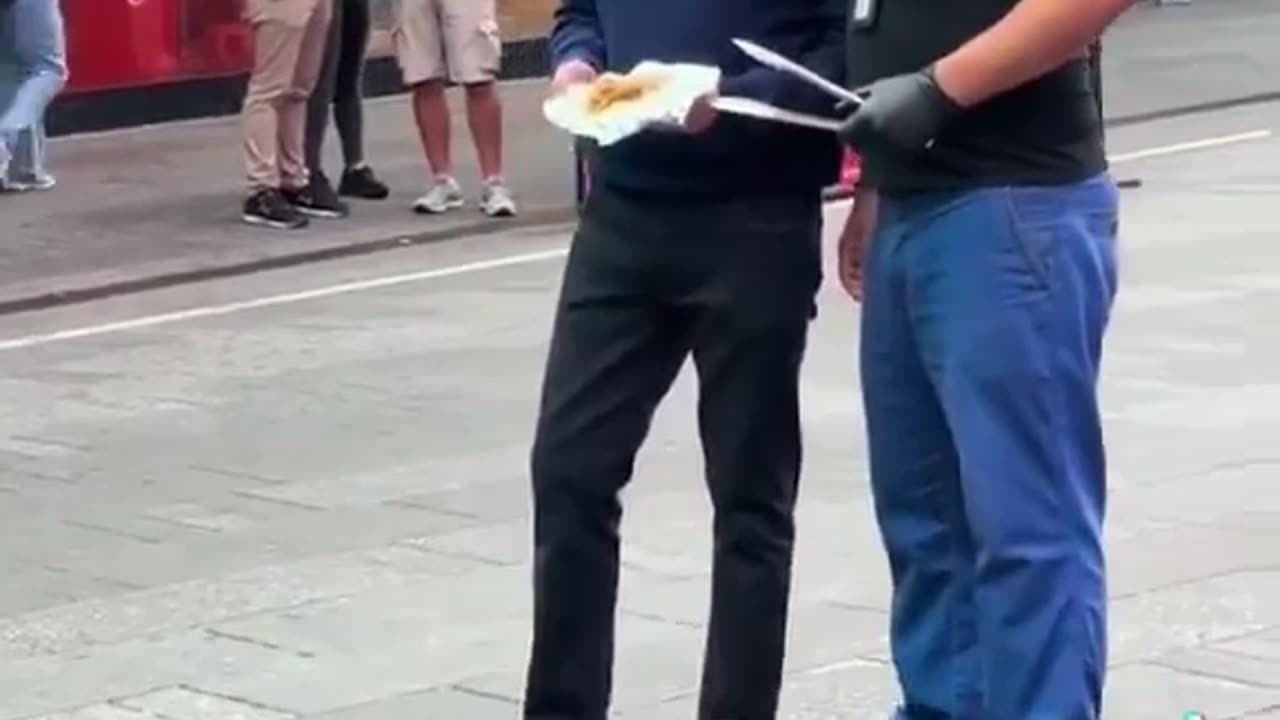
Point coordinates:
[[1046, 132]]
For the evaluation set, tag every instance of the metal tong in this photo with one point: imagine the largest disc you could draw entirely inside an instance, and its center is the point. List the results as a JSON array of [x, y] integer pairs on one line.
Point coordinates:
[[765, 111]]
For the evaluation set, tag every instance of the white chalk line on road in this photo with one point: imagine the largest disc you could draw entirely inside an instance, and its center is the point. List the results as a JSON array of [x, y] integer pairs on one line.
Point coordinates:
[[506, 261], [283, 299], [1191, 146]]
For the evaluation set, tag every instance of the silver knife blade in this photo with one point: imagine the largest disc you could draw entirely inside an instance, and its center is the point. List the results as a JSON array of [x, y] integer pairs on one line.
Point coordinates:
[[769, 58]]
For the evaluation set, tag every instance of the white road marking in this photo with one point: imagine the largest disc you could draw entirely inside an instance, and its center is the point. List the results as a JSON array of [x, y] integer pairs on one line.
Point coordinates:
[[1179, 148], [148, 321], [284, 299]]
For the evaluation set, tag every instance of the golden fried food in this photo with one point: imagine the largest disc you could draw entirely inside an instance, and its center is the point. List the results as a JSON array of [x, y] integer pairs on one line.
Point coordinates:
[[611, 89]]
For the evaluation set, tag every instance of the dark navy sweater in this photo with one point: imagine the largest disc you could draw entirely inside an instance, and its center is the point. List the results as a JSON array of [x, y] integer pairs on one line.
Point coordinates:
[[737, 156]]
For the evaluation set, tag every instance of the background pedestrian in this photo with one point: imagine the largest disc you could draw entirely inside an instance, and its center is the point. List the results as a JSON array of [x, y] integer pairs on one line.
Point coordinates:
[[455, 41], [33, 70], [340, 90], [289, 38]]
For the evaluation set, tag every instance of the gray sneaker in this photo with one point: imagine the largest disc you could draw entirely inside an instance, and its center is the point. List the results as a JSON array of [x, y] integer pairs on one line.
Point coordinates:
[[22, 181], [443, 195], [31, 184], [496, 200]]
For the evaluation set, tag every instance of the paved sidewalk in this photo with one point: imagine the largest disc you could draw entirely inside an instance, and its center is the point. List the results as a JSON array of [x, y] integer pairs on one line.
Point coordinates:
[[1211, 51], [164, 201]]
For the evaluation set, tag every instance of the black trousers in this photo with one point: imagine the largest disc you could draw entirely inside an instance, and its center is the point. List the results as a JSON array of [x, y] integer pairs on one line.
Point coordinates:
[[340, 85], [648, 283]]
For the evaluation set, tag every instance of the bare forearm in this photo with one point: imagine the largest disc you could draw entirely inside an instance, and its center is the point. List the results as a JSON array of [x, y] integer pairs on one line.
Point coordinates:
[[1036, 37], [866, 197], [866, 206]]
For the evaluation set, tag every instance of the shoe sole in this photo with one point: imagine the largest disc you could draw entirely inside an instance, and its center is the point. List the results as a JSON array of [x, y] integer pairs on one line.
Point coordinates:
[[23, 187], [258, 221], [321, 213], [500, 213], [452, 205], [364, 196]]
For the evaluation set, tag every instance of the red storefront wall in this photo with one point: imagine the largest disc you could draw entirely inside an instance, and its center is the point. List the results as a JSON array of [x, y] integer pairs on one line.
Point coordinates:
[[131, 43]]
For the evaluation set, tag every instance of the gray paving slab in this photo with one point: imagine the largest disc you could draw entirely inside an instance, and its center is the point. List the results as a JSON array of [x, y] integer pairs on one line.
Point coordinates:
[[319, 509], [1203, 611], [447, 702], [1157, 57], [188, 702], [1148, 692], [103, 711], [1225, 661]]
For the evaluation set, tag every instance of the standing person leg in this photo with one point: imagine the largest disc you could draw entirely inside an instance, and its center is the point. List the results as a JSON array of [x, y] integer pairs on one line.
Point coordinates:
[[615, 350], [759, 263], [10, 79], [915, 483], [312, 196], [35, 28], [358, 179], [1015, 288], [322, 98], [421, 51], [321, 199], [473, 47], [27, 171], [278, 31]]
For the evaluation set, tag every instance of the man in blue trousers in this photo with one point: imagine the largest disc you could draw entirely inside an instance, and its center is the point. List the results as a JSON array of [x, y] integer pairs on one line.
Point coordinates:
[[701, 242], [982, 247]]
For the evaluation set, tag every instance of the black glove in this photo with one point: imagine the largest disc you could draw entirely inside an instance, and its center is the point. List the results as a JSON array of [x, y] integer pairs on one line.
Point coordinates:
[[903, 113]]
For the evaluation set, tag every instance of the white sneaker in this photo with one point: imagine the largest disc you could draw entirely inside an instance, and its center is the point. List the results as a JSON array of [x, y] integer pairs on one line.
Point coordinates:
[[496, 201], [443, 195], [35, 184]]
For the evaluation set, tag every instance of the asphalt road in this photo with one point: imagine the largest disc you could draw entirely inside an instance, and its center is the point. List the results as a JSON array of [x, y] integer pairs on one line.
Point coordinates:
[[301, 494]]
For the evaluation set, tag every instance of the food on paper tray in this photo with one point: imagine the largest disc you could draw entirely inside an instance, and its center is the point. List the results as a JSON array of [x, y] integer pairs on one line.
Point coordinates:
[[617, 106], [611, 90]]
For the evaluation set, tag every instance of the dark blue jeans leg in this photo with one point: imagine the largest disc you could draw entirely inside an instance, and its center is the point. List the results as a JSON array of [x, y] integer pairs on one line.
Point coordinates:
[[1011, 292], [915, 478]]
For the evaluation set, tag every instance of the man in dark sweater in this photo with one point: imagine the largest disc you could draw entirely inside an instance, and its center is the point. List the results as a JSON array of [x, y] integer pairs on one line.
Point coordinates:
[[705, 243], [982, 245]]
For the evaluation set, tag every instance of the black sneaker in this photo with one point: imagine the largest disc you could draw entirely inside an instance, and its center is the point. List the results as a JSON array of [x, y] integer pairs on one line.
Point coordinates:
[[268, 208], [362, 183], [317, 199]]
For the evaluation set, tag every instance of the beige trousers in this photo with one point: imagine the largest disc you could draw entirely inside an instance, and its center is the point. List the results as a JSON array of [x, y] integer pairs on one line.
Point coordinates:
[[289, 41]]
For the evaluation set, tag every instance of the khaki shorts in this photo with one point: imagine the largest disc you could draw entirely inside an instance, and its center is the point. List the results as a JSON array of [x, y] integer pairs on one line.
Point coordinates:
[[293, 13], [456, 40]]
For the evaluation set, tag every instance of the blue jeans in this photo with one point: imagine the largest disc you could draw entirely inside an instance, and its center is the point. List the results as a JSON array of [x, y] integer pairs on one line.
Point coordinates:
[[33, 70], [982, 330]]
